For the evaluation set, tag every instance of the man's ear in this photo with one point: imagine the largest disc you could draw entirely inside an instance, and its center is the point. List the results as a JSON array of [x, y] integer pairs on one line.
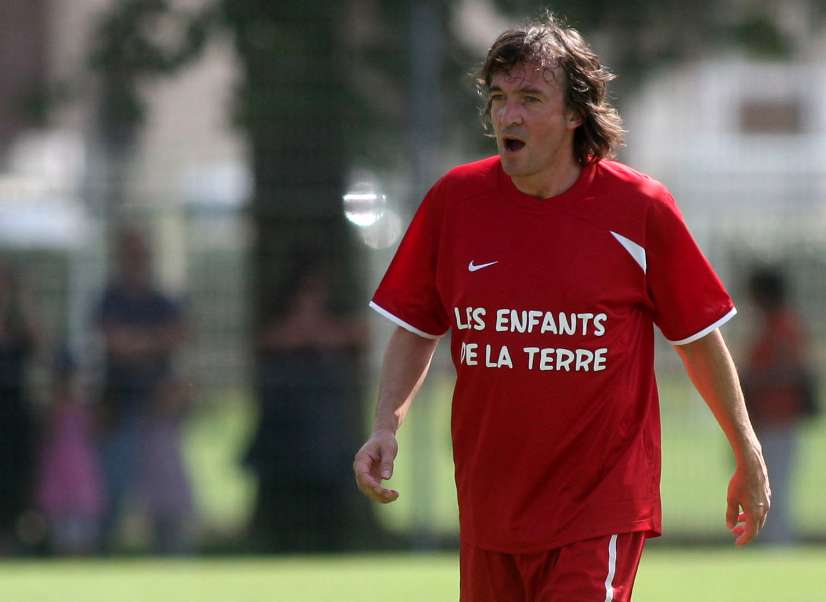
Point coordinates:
[[574, 119]]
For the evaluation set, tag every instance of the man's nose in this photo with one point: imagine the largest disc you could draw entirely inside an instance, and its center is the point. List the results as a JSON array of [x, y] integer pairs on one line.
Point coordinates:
[[509, 113]]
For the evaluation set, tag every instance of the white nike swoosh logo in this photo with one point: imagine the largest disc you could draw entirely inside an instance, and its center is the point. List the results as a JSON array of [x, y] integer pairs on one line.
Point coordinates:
[[473, 268]]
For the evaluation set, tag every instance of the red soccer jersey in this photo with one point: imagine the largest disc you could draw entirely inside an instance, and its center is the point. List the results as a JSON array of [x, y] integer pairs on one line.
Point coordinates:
[[551, 305]]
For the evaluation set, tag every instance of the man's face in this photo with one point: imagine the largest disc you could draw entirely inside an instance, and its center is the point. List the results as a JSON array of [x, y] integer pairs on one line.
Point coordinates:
[[534, 128]]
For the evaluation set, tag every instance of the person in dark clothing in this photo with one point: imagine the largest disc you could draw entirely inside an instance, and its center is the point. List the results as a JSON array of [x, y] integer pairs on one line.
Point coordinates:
[[18, 341], [141, 329], [307, 392]]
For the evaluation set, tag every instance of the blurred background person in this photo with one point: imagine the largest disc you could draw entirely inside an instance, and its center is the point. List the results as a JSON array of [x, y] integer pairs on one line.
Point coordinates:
[[779, 391], [164, 488], [142, 328], [19, 338], [300, 451], [70, 484]]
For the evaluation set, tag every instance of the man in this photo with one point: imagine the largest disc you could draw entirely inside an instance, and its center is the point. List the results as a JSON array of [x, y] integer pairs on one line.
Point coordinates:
[[141, 330], [550, 263]]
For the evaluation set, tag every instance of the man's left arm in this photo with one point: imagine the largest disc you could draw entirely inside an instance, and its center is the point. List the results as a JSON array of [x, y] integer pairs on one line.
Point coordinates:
[[711, 369]]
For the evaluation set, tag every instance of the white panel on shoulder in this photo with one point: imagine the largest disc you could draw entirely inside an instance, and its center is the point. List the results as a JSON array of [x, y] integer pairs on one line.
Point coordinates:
[[635, 250]]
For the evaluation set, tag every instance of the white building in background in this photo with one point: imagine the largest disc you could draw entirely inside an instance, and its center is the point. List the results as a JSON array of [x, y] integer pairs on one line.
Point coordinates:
[[737, 137], [742, 145]]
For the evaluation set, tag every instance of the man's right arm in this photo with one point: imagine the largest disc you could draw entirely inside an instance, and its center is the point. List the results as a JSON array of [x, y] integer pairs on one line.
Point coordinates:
[[406, 361]]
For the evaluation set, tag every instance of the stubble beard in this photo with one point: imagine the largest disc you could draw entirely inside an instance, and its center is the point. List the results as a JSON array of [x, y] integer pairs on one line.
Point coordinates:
[[515, 167]]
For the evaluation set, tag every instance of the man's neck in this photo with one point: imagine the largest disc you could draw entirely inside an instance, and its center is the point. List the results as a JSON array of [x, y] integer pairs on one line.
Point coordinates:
[[550, 182]]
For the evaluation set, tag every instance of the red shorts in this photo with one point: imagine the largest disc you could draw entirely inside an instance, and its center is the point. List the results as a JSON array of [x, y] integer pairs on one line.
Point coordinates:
[[594, 570]]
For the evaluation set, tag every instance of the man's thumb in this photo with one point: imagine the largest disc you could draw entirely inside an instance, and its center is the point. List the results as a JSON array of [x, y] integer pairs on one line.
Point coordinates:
[[386, 466]]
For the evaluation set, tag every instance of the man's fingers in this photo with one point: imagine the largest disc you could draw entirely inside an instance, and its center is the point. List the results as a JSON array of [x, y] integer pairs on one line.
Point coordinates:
[[370, 487], [388, 495], [365, 480], [749, 530], [377, 493], [761, 513], [748, 526], [362, 468], [364, 464], [370, 467], [732, 513]]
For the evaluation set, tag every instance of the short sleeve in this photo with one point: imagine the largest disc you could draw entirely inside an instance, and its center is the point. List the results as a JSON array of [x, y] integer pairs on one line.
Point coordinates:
[[408, 294], [687, 297]]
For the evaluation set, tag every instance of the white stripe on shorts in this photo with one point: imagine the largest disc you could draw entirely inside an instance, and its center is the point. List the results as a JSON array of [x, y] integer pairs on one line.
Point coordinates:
[[612, 567]]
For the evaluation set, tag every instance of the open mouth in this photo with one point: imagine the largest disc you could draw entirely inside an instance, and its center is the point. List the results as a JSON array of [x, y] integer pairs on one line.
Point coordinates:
[[513, 144]]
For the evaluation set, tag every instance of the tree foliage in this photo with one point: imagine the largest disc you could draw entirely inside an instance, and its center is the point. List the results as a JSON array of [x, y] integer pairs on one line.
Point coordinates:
[[134, 41], [637, 37]]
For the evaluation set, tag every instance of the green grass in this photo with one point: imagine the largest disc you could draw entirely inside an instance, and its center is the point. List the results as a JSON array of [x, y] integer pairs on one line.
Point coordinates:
[[738, 575], [215, 440], [696, 466], [675, 576]]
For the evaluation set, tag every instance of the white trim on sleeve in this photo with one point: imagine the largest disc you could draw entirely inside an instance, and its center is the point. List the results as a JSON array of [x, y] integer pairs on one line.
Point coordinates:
[[375, 306], [612, 568], [699, 335]]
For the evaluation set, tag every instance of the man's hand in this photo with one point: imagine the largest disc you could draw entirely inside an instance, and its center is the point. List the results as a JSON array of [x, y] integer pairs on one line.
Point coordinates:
[[406, 360], [749, 490], [374, 463], [712, 371]]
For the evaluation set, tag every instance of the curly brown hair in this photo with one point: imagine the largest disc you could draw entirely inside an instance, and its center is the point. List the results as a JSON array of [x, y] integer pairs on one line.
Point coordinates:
[[549, 43]]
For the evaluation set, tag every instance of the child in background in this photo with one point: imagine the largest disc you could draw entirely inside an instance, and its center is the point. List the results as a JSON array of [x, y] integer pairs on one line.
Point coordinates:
[[164, 488], [69, 490]]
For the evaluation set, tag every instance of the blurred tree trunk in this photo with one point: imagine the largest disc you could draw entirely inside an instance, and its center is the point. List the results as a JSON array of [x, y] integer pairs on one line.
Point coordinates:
[[292, 105]]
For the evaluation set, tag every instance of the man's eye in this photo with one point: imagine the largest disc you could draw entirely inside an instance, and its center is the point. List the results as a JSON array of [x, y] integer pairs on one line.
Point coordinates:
[[496, 97], [530, 99]]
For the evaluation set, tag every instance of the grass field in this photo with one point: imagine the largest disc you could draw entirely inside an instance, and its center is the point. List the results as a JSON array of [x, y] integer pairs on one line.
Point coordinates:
[[696, 466], [665, 576], [694, 476]]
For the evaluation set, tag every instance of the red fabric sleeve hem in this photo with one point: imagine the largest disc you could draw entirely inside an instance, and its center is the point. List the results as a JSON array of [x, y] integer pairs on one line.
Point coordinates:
[[406, 325], [708, 329]]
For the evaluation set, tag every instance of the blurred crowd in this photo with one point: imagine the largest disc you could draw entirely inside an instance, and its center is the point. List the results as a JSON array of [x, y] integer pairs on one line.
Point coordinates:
[[104, 449], [69, 469], [100, 449]]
